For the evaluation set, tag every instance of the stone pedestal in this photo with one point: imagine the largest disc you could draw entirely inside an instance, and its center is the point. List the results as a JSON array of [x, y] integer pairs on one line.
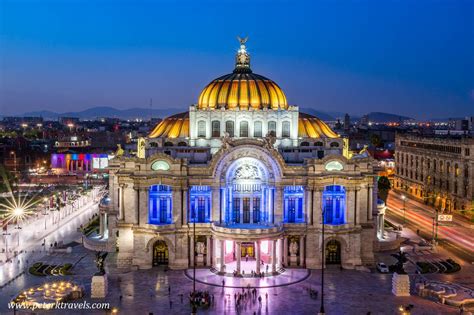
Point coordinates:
[[293, 260], [400, 285], [200, 260], [99, 286]]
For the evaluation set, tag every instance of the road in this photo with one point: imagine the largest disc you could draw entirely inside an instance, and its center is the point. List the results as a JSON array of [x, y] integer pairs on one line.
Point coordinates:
[[34, 235], [458, 239]]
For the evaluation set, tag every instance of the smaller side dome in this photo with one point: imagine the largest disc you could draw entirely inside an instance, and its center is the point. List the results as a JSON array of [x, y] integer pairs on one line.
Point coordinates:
[[176, 126], [312, 127]]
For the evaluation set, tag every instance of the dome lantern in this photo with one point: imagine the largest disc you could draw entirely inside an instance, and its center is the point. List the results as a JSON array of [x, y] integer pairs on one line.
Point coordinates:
[[242, 89]]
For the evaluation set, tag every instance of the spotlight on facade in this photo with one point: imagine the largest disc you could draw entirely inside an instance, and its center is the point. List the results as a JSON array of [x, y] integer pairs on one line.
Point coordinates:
[[18, 212]]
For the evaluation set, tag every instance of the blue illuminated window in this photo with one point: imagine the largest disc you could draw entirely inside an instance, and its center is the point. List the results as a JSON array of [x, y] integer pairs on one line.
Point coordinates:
[[293, 204], [200, 204], [334, 198], [160, 205]]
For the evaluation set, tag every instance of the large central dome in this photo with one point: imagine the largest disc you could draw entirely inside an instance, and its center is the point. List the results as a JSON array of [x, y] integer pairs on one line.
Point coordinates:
[[242, 89]]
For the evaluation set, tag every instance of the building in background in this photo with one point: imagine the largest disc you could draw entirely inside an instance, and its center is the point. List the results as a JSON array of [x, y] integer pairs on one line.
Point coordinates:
[[438, 170]]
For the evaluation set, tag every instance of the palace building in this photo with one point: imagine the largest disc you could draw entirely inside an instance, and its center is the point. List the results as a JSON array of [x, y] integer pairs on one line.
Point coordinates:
[[241, 175]]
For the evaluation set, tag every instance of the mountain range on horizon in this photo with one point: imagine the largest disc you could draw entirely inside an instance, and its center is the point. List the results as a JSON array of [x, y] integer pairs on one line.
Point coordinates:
[[147, 113]]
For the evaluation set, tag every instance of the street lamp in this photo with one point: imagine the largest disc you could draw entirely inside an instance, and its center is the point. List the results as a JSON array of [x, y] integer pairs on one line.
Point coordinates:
[[45, 212], [404, 208], [321, 309]]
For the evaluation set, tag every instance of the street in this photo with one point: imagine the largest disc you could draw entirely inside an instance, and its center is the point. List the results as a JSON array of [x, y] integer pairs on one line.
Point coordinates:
[[456, 238]]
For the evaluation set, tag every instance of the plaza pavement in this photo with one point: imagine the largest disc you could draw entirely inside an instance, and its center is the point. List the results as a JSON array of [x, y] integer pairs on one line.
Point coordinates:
[[146, 291]]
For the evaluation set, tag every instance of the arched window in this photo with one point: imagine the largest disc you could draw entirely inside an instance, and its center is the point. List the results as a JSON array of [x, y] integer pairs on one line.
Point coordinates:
[[257, 129], [272, 128], [456, 170], [285, 129], [334, 198], [182, 144], [160, 205], [318, 144], [216, 129], [168, 144], [305, 144], [153, 144], [200, 204], [229, 128], [293, 204], [334, 145], [201, 129], [244, 129]]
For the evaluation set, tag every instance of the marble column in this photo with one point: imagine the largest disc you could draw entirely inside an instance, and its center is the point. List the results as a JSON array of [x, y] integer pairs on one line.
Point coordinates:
[[185, 201], [176, 206], [208, 250], [257, 256], [285, 251], [302, 251], [370, 201], [192, 255], [317, 206], [222, 267], [215, 205], [278, 215], [143, 209], [238, 255], [274, 257]]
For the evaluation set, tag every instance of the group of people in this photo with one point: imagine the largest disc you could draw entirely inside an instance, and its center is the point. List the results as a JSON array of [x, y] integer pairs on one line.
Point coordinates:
[[246, 296], [201, 298]]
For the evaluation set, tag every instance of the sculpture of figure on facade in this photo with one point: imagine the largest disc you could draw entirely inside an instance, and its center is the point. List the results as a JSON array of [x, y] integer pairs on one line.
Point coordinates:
[[119, 151], [200, 248], [293, 248], [100, 261], [269, 141], [226, 141]]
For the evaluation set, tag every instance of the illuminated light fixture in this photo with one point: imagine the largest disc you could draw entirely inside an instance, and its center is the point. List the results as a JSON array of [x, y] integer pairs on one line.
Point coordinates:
[[334, 166]]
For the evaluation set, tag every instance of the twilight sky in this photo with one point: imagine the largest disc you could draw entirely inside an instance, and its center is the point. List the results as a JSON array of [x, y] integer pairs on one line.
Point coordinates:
[[412, 58]]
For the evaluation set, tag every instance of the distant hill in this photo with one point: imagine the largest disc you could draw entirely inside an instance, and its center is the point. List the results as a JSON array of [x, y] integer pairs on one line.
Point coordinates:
[[110, 112], [320, 114], [386, 117]]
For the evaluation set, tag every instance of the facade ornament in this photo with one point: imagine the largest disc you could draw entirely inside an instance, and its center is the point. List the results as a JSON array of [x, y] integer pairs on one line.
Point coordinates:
[[269, 141], [119, 151], [226, 141]]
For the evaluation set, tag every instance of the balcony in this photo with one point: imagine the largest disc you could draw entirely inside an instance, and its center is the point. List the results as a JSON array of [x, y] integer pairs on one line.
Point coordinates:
[[252, 231]]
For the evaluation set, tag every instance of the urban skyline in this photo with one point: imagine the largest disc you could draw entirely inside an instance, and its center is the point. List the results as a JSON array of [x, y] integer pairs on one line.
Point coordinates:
[[411, 59]]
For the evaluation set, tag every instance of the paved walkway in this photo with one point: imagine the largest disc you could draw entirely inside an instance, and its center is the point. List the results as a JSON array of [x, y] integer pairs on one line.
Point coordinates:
[[289, 276]]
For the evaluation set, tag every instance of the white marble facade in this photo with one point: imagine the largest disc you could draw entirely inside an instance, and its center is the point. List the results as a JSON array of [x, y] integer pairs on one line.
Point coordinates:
[[135, 238]]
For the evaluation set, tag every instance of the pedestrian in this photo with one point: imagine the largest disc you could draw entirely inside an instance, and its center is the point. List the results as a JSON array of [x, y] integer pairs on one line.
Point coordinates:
[[171, 304], [266, 295], [120, 298], [223, 283], [169, 290], [417, 231], [246, 257], [259, 300]]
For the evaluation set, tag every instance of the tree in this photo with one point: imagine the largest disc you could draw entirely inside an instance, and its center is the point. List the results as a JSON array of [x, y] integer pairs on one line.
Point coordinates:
[[384, 187], [401, 258]]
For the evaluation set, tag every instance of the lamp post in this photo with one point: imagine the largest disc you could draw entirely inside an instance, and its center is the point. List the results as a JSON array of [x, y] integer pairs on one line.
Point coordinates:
[[5, 234], [194, 306], [45, 212], [404, 198], [321, 309]]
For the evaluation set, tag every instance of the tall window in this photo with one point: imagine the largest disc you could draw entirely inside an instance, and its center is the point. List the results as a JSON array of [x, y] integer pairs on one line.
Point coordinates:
[[257, 129], [293, 204], [202, 129], [200, 204], [334, 198], [244, 129], [229, 128], [216, 129], [272, 128], [160, 205], [285, 129]]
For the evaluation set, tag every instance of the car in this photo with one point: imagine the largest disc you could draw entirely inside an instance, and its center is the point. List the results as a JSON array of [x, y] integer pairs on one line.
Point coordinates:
[[382, 268]]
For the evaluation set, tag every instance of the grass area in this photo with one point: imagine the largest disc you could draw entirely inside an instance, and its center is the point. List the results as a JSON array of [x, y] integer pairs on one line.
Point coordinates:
[[41, 270], [443, 266], [92, 226]]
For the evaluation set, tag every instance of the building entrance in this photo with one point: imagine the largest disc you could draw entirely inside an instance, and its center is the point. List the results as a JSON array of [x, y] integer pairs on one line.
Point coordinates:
[[333, 252], [247, 249], [160, 253]]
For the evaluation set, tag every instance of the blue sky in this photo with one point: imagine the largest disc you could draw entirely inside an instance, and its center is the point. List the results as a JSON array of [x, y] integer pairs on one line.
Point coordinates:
[[412, 58]]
